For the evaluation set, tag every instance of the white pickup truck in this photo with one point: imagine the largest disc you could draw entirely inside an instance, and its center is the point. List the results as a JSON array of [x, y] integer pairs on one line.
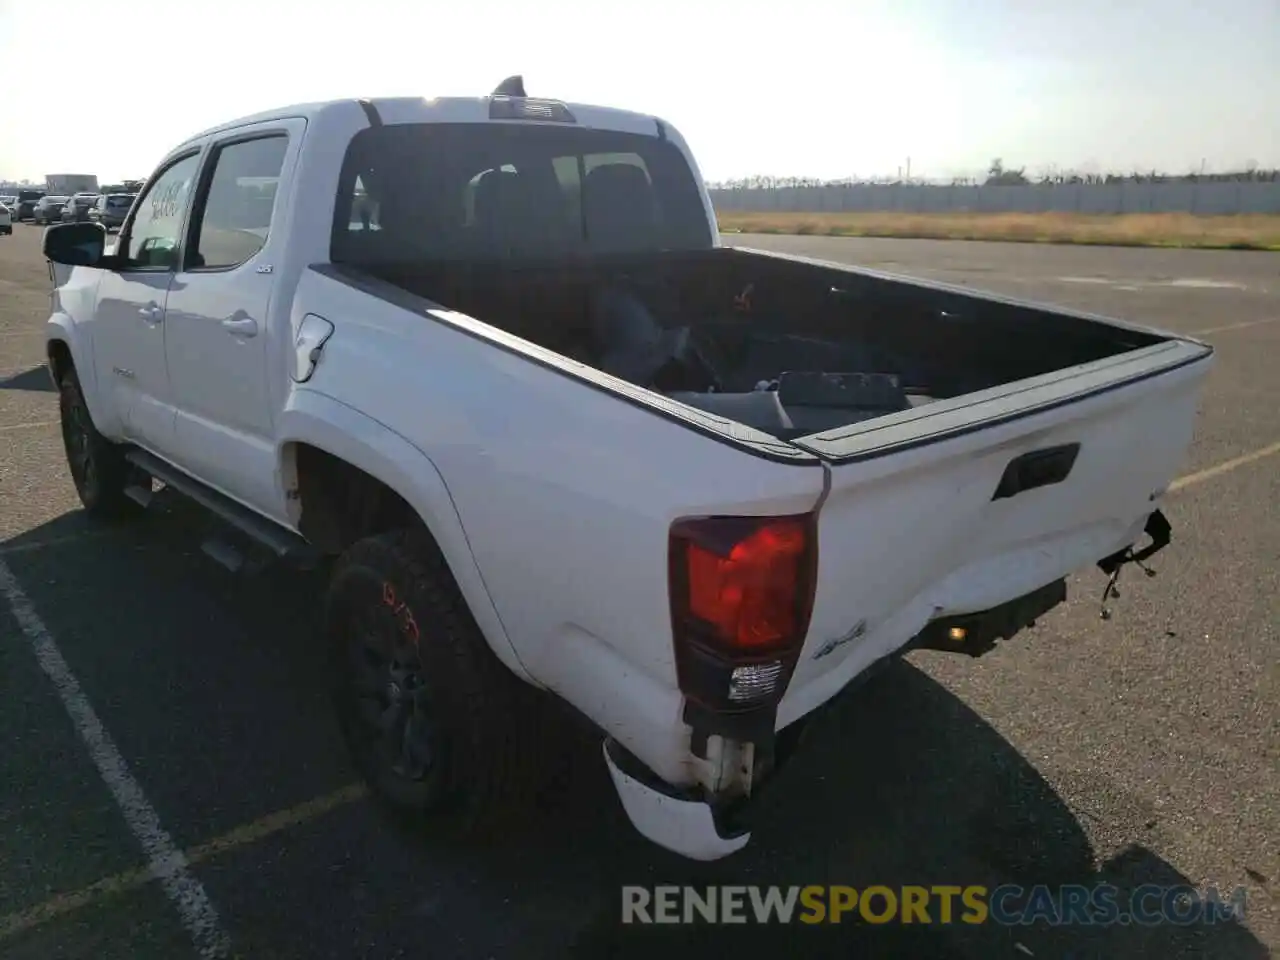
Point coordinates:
[[488, 358]]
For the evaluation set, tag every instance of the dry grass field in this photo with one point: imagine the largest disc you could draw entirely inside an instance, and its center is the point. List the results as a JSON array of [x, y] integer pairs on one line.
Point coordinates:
[[1244, 232]]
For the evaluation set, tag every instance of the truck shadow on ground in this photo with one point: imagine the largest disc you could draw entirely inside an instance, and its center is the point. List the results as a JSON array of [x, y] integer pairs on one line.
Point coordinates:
[[903, 784], [37, 379], [900, 784]]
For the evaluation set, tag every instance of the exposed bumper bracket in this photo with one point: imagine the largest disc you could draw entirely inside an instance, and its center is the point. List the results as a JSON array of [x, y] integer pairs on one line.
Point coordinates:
[[1158, 529]]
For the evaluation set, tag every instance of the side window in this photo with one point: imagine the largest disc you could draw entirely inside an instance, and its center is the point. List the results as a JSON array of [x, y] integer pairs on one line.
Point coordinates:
[[569, 174], [153, 235], [233, 217], [593, 160], [469, 194], [570, 184]]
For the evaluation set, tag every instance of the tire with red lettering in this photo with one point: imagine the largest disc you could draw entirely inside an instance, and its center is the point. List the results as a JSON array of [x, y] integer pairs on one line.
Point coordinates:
[[436, 725]]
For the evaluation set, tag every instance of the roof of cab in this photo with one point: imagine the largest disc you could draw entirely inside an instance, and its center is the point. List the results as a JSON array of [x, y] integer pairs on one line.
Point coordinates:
[[305, 110], [434, 110]]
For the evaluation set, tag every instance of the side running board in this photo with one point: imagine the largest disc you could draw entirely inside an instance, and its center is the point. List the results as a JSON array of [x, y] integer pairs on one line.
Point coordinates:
[[283, 544]]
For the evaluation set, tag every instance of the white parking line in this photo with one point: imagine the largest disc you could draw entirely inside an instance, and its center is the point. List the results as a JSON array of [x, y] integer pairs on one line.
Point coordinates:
[[164, 859], [29, 425]]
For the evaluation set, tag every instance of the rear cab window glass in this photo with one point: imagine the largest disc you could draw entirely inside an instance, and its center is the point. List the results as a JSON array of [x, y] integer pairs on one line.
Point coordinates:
[[364, 209], [233, 217], [446, 191]]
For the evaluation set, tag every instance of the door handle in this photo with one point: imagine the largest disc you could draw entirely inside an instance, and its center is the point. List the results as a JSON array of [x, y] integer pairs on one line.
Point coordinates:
[[241, 326], [150, 313]]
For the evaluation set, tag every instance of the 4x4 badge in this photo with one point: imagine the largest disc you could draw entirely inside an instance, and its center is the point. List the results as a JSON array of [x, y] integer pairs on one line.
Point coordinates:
[[831, 645]]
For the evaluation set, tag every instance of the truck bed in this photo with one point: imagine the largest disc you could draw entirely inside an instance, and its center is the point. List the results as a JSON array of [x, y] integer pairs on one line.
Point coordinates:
[[994, 449], [791, 347]]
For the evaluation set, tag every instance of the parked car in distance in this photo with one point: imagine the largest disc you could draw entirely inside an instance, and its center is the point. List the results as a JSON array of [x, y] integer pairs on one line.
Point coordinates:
[[27, 200], [77, 207], [6, 216], [111, 209], [48, 210]]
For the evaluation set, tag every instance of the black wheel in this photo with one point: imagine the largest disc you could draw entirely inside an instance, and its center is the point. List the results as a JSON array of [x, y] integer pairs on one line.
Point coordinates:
[[434, 722], [98, 468]]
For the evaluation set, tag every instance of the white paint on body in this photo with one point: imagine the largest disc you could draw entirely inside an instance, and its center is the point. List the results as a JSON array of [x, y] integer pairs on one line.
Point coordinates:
[[166, 862]]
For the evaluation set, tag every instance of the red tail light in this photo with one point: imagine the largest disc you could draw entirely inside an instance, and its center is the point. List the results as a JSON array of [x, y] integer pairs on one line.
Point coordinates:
[[741, 596]]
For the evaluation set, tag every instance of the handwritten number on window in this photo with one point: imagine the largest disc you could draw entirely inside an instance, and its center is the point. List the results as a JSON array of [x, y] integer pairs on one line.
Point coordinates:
[[166, 201]]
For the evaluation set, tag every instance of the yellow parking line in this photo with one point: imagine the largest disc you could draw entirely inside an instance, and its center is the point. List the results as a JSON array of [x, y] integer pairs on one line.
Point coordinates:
[[16, 923], [275, 822], [1226, 466], [64, 903]]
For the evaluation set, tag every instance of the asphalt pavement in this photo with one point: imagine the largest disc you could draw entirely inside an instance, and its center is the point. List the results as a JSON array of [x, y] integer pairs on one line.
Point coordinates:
[[1141, 749]]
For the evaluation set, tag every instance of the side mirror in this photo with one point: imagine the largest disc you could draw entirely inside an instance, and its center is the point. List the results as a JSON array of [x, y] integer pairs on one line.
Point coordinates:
[[75, 244]]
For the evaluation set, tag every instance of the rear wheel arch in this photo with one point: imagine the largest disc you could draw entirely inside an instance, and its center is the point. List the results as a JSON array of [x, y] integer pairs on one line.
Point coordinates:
[[338, 503], [335, 503]]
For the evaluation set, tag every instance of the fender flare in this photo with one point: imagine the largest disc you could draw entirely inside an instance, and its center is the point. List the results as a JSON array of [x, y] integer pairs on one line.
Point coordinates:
[[342, 431], [62, 329]]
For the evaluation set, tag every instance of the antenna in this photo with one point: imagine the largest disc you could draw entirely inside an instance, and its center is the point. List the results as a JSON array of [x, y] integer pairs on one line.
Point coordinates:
[[511, 87]]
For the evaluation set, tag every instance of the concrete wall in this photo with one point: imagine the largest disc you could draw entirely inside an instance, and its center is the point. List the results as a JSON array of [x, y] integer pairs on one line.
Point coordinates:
[[1180, 197]]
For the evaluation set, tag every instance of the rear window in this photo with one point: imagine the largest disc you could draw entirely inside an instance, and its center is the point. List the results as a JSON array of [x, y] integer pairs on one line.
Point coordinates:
[[119, 201], [498, 191]]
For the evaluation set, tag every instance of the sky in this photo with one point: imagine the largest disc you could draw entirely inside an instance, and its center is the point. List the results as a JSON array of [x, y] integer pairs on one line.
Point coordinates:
[[821, 88]]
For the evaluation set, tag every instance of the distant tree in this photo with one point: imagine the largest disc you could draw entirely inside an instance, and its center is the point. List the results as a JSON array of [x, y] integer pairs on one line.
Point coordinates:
[[999, 176]]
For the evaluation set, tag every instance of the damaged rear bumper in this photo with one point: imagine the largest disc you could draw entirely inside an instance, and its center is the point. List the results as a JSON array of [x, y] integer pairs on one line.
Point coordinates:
[[687, 821], [690, 822], [672, 818]]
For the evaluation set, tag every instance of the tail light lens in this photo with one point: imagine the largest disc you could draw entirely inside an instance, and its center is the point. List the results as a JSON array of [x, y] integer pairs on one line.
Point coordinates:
[[741, 596]]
